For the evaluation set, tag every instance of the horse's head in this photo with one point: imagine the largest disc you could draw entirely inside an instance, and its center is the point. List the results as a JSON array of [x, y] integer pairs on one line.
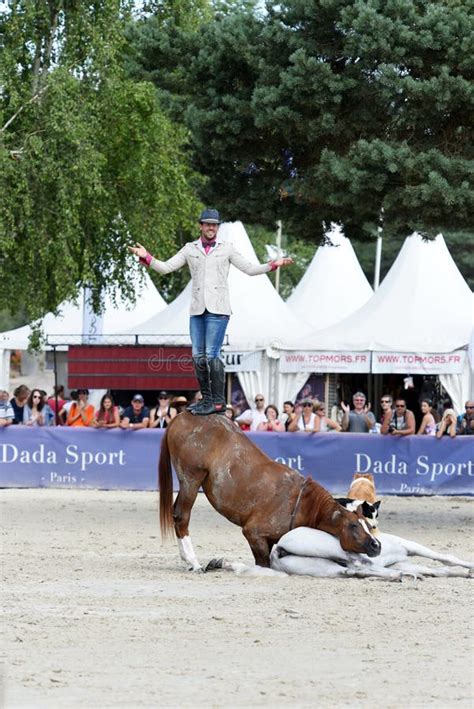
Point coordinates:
[[352, 530]]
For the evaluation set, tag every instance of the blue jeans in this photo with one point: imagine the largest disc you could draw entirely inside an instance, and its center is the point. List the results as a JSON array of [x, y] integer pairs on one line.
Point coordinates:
[[207, 334]]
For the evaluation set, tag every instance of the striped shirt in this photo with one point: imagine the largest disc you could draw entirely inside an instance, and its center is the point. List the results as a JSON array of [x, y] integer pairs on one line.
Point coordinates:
[[6, 410]]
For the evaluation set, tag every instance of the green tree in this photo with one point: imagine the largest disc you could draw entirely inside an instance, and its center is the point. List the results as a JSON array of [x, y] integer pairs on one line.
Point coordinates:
[[206, 75], [328, 110], [89, 162]]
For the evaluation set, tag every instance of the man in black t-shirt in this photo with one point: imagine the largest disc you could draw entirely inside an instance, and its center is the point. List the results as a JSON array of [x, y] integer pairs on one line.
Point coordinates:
[[136, 415]]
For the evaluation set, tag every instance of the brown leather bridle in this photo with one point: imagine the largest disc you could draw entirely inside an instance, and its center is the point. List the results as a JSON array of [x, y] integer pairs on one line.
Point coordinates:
[[297, 504]]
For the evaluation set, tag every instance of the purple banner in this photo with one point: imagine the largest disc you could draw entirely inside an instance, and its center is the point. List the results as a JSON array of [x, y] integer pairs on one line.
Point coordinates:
[[128, 460]]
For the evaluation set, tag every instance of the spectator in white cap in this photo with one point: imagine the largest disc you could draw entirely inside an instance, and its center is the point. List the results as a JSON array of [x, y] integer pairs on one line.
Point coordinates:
[[208, 260], [161, 415]]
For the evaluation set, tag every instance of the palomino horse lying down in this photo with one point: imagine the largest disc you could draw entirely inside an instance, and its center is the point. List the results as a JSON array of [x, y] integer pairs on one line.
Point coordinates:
[[265, 498], [310, 552]]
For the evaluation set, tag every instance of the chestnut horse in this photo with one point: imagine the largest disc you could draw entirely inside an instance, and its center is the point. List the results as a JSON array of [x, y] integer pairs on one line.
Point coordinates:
[[263, 497]]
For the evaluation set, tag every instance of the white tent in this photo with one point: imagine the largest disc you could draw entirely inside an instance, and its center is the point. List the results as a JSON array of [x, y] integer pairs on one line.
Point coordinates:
[[461, 386], [418, 321], [471, 354], [68, 323], [259, 322], [73, 323], [333, 286]]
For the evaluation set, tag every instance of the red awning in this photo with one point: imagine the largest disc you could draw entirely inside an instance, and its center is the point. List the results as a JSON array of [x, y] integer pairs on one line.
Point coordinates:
[[130, 367]]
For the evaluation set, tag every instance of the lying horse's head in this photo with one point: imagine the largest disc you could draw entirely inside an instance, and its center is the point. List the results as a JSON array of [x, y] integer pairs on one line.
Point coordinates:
[[352, 530]]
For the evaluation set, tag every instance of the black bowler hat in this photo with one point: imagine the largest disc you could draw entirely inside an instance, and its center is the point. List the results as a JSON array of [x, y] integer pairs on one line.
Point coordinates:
[[210, 216]]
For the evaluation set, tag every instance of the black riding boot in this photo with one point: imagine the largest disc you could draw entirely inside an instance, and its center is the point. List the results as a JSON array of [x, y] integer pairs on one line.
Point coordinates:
[[202, 375], [218, 384], [206, 405]]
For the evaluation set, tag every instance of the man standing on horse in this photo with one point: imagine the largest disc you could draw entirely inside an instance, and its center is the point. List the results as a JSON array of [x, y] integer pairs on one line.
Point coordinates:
[[208, 260]]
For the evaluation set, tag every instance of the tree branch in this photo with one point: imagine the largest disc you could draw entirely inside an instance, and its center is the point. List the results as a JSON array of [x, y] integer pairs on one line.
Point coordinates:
[[32, 99], [42, 63]]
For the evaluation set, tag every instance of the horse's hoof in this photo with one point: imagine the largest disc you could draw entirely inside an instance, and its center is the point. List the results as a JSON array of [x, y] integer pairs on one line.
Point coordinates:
[[214, 565], [413, 575]]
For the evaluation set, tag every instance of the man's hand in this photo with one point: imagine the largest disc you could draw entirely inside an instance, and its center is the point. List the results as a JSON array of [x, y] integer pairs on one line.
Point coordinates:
[[345, 407], [282, 261], [138, 250]]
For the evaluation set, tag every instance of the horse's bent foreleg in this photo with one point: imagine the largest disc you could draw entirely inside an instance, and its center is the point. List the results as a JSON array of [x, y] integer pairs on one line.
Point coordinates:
[[181, 515], [321, 567], [306, 566], [380, 572], [259, 545]]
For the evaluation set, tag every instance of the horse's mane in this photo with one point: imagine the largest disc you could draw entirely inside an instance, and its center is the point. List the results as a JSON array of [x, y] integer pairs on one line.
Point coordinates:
[[321, 503]]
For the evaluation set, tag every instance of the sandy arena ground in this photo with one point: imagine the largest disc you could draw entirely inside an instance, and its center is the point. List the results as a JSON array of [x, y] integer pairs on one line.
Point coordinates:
[[98, 613]]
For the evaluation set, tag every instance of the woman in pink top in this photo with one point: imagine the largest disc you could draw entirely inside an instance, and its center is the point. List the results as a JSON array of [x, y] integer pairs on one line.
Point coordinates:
[[108, 414], [428, 423], [57, 396]]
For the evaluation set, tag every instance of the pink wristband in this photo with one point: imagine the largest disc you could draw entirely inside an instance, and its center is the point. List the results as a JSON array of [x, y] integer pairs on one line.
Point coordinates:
[[146, 260], [273, 266]]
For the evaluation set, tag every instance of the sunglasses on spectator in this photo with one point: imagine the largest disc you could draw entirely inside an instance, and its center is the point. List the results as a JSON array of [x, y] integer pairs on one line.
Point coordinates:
[[36, 396], [385, 401], [259, 399], [400, 406], [308, 405]]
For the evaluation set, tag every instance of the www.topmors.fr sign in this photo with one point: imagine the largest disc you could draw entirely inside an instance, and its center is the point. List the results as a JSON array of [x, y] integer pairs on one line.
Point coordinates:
[[376, 362], [304, 361], [418, 363]]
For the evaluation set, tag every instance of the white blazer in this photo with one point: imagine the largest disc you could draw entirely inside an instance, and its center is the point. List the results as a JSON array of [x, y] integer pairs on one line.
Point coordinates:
[[209, 273]]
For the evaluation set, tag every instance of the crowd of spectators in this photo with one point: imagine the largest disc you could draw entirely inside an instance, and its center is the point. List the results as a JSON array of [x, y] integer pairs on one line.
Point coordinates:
[[35, 408], [394, 419]]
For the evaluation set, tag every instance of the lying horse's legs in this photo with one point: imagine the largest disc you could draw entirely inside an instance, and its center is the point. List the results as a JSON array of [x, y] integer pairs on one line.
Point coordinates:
[[436, 571], [181, 514], [415, 549], [326, 568]]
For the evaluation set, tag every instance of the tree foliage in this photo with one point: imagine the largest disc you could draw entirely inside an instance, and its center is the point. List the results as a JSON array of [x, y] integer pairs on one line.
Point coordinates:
[[89, 161], [327, 110]]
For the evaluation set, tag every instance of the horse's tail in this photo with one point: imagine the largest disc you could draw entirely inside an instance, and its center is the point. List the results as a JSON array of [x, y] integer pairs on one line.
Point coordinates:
[[165, 484]]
